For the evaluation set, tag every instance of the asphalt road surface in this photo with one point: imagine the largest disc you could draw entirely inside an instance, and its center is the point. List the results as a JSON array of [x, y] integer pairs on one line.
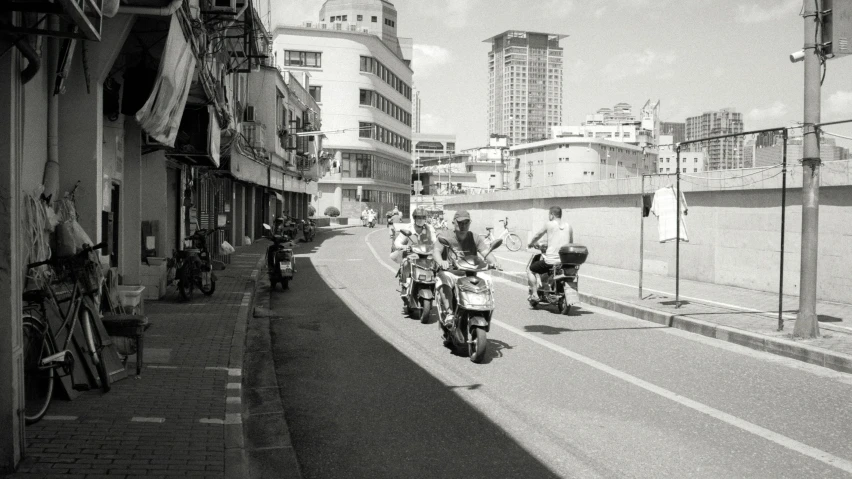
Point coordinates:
[[371, 393]]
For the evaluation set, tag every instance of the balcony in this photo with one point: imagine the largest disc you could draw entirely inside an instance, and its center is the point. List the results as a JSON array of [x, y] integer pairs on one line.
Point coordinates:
[[254, 135]]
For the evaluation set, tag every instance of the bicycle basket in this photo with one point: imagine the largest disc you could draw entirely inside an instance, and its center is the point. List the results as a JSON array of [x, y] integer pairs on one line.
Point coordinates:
[[88, 275]]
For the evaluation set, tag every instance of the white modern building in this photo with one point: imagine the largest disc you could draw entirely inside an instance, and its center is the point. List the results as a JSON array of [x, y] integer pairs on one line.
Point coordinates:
[[560, 161], [690, 161], [361, 74], [524, 85], [617, 124]]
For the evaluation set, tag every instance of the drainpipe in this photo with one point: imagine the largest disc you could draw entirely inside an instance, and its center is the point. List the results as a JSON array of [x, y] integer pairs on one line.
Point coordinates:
[[153, 11], [51, 168]]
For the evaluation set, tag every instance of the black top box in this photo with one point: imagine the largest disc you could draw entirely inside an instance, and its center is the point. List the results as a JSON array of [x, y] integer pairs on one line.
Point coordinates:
[[573, 254]]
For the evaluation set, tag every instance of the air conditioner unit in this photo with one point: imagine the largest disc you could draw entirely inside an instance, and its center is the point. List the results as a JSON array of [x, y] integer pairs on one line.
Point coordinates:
[[222, 6], [248, 115]]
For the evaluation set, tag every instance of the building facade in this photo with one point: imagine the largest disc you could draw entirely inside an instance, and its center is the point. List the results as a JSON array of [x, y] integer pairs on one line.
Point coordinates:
[[617, 124], [690, 161], [724, 153], [576, 160], [525, 78], [359, 68], [673, 129], [768, 150]]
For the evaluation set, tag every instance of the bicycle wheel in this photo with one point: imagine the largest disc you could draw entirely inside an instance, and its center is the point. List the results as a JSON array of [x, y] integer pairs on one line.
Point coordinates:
[[38, 383], [95, 345], [513, 242]]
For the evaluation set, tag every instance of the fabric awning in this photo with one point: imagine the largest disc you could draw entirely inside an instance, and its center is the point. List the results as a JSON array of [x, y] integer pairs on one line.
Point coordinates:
[[160, 116]]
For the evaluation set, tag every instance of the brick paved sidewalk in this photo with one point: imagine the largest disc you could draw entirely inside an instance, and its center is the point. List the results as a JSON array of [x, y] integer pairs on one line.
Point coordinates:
[[177, 419], [725, 306]]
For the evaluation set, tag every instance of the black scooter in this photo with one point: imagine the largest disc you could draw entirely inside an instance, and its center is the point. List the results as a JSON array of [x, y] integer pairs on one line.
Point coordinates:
[[561, 285], [193, 266], [280, 261], [420, 291]]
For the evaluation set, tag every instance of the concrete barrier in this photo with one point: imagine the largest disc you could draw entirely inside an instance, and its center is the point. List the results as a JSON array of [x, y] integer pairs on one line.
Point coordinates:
[[733, 221]]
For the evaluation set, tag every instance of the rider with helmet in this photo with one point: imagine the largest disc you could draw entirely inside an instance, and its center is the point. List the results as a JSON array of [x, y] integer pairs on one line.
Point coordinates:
[[421, 234]]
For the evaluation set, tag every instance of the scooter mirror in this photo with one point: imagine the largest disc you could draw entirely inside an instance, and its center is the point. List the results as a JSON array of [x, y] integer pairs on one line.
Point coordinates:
[[495, 245], [443, 241], [405, 232]]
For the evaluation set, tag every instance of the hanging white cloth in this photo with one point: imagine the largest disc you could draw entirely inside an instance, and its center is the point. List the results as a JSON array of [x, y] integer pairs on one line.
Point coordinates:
[[160, 116], [664, 208]]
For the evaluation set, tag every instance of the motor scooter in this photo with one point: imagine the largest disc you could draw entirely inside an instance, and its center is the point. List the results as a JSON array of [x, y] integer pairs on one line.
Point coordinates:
[[193, 267], [280, 262], [560, 286], [420, 290], [472, 304], [371, 220], [308, 230]]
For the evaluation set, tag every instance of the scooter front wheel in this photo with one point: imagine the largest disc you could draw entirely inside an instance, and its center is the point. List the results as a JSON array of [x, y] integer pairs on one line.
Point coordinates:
[[477, 345], [425, 310]]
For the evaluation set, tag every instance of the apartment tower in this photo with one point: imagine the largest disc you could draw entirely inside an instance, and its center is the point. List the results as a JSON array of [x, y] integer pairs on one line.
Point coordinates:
[[721, 154], [524, 85]]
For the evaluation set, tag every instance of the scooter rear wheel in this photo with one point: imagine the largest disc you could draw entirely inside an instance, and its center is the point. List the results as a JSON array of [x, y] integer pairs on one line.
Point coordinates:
[[564, 307]]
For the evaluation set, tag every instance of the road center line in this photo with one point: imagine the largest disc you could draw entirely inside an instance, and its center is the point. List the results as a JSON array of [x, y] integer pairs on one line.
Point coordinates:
[[732, 420]]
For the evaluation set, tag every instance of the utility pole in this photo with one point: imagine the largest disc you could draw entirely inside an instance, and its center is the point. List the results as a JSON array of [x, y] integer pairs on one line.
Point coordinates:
[[807, 325]]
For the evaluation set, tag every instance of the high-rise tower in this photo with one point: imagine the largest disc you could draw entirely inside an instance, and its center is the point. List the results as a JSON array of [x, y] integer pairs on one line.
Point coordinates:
[[524, 85], [721, 154]]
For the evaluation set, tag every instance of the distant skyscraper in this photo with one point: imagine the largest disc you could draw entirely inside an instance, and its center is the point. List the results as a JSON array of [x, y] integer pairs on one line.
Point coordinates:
[[524, 85], [721, 154], [674, 129], [415, 111]]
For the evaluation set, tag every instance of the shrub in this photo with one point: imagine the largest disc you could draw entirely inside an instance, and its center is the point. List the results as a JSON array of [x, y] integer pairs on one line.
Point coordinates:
[[332, 211], [311, 210]]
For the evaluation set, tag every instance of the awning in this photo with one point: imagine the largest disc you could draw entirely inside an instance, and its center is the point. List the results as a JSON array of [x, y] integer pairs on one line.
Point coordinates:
[[160, 116]]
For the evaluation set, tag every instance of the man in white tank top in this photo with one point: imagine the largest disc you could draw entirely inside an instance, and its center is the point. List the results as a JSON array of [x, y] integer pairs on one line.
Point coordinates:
[[558, 234]]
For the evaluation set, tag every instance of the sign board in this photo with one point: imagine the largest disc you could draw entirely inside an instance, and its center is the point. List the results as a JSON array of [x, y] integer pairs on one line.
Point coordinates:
[[360, 192], [418, 187]]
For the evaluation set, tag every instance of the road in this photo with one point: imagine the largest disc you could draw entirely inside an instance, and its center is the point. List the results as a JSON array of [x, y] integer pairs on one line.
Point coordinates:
[[371, 393]]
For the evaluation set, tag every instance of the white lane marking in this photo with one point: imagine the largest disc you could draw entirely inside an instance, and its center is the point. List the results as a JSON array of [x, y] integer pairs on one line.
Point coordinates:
[[157, 420], [60, 418], [764, 433], [732, 420], [233, 400], [235, 418]]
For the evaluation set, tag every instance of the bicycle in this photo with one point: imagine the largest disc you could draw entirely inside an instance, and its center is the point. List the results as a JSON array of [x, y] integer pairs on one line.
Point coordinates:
[[41, 356], [511, 240]]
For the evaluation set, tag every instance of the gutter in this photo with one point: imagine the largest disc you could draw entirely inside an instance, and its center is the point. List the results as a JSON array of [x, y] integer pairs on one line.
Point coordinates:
[[152, 11]]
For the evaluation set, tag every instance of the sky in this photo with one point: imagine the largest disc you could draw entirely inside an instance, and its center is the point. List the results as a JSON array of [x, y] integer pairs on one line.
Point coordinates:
[[692, 55]]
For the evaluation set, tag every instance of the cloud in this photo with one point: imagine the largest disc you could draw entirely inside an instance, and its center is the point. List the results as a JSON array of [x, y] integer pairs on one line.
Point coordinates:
[[839, 104], [627, 65], [558, 8], [431, 123], [428, 58], [775, 111], [453, 13], [757, 13]]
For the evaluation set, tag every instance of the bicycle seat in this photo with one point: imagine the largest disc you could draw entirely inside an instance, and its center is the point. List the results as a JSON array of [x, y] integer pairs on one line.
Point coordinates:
[[489, 228], [34, 296]]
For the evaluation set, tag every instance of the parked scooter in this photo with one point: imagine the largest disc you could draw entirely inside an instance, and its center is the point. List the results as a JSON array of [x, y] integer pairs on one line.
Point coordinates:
[[420, 291], [308, 230], [193, 266], [280, 262], [560, 287], [473, 306]]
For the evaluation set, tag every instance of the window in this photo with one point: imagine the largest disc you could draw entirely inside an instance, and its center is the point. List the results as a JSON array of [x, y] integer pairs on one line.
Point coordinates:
[[375, 19], [302, 59], [316, 93], [344, 18], [360, 18], [365, 130]]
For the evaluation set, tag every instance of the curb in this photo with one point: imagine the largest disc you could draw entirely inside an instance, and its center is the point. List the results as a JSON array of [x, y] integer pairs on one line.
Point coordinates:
[[268, 447], [779, 346], [235, 458]]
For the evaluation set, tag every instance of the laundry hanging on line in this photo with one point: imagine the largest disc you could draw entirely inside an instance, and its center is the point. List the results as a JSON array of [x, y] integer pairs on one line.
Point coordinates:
[[664, 208]]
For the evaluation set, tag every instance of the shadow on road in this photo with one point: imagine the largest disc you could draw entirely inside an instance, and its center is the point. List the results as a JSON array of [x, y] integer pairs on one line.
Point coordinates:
[[358, 407]]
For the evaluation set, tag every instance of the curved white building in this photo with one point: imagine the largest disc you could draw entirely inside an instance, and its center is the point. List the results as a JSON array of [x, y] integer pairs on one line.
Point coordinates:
[[361, 78]]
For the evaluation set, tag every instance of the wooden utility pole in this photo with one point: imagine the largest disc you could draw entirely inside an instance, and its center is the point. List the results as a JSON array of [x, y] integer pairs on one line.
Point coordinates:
[[807, 325]]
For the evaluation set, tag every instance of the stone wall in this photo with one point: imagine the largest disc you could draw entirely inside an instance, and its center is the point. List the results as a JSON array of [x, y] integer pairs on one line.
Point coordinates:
[[733, 220]]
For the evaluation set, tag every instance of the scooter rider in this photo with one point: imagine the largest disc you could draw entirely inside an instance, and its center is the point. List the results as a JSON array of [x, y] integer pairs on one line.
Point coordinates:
[[278, 229], [422, 233], [394, 217], [558, 234], [462, 240]]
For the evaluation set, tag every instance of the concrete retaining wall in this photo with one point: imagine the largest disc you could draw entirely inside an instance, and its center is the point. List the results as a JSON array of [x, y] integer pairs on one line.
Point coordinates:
[[734, 225]]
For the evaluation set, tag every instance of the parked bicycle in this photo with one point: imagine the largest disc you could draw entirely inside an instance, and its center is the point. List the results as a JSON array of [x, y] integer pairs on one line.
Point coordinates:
[[511, 240], [42, 356]]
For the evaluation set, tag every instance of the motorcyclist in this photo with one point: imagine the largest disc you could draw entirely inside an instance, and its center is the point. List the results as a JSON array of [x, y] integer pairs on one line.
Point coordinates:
[[464, 241], [559, 234], [421, 234], [364, 216]]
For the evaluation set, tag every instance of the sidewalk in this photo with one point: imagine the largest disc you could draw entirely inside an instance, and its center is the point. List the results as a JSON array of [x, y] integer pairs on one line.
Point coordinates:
[[738, 315], [182, 417]]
